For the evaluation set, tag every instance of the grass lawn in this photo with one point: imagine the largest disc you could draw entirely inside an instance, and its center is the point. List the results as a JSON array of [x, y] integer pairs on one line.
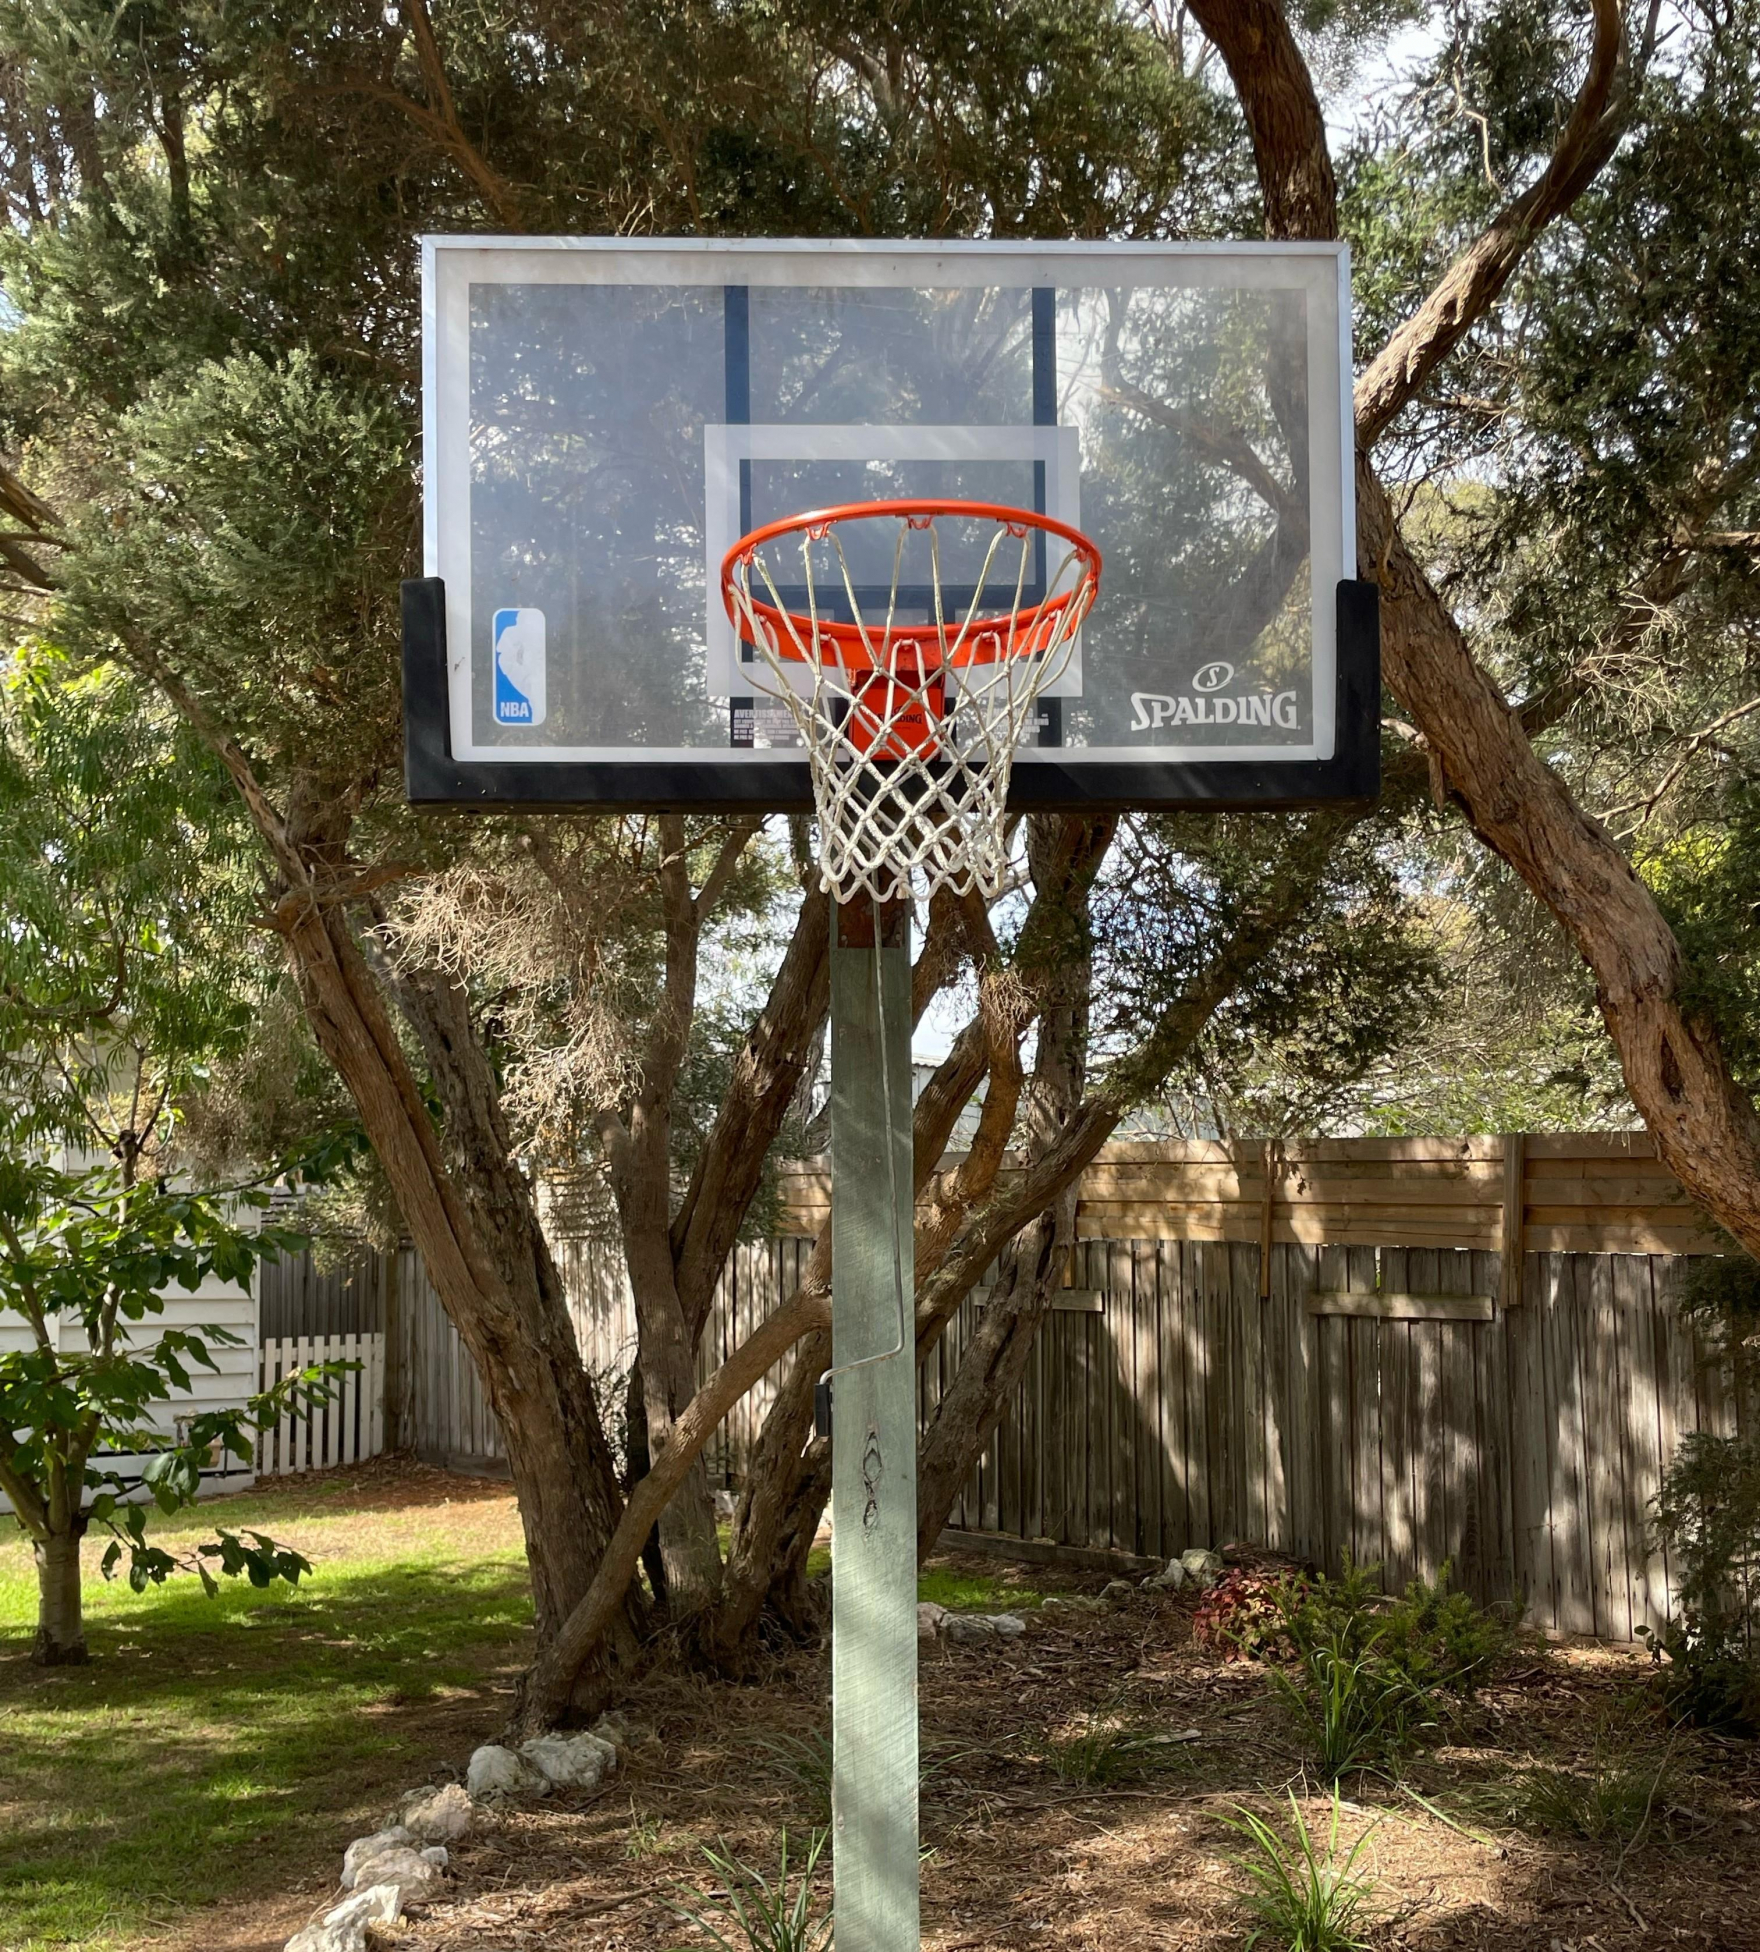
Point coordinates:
[[219, 1747]]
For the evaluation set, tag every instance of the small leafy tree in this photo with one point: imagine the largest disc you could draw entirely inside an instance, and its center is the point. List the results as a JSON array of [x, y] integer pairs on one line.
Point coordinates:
[[85, 1258], [1708, 1520]]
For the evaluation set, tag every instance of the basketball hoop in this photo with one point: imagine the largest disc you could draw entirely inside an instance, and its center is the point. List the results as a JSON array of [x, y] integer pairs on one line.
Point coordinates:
[[911, 722]]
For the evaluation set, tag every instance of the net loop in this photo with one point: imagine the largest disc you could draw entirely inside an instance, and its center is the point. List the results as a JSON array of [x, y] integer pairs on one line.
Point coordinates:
[[911, 721]]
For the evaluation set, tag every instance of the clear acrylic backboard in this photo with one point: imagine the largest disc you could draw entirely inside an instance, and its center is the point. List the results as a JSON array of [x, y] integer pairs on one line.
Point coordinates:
[[605, 417]]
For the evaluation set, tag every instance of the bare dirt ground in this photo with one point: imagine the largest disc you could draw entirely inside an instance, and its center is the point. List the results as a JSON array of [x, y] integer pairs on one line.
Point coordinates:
[[1022, 1857]]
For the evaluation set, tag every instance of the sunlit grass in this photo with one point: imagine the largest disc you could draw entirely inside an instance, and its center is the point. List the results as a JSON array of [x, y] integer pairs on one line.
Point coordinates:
[[969, 1592], [215, 1747]]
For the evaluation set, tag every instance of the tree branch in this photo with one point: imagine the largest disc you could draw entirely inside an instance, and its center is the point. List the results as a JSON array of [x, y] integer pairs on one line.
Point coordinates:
[[1473, 282], [495, 188]]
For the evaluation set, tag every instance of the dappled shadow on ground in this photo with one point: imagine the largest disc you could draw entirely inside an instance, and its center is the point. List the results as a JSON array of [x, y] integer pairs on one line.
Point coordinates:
[[231, 1745], [1023, 1857]]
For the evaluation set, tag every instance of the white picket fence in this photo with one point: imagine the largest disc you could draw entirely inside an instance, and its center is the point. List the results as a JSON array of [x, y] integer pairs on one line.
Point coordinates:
[[344, 1430]]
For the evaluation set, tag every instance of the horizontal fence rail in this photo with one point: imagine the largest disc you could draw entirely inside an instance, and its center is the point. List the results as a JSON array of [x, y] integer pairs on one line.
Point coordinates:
[[1551, 1192], [348, 1428]]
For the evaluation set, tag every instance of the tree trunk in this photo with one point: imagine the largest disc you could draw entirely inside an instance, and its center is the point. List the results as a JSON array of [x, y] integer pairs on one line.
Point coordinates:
[[690, 1551], [777, 1474], [61, 1631], [990, 1368], [478, 1236]]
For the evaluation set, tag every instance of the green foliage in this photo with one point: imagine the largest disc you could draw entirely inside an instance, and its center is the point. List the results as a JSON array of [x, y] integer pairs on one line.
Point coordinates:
[[642, 1839], [804, 1761], [1707, 1514], [1306, 1898], [1366, 1672], [1354, 974], [1612, 1800], [1722, 1293], [761, 1916], [1356, 1709], [95, 1254], [1433, 1635], [256, 516], [129, 963]]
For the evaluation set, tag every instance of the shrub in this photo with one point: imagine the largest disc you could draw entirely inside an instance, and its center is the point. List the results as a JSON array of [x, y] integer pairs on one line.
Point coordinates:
[[1356, 1708], [1244, 1615], [1307, 1900], [1708, 1521], [1441, 1638], [1113, 1746], [1433, 1635], [1365, 1670], [1612, 1795]]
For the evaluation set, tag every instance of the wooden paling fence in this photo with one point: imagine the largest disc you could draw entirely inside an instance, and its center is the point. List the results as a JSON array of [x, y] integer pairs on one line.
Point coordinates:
[[349, 1427], [1323, 1349], [1377, 1402], [434, 1396]]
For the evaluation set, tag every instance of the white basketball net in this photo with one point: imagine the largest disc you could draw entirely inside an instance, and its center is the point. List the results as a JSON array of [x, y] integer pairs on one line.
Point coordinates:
[[910, 726]]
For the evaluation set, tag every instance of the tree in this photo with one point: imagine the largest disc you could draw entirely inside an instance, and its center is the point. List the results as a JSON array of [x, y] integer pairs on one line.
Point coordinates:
[[232, 438], [1676, 1071], [126, 968], [229, 449], [92, 1253]]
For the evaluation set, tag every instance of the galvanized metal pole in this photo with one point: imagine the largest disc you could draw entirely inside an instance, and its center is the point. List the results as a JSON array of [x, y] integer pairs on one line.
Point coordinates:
[[873, 1436]]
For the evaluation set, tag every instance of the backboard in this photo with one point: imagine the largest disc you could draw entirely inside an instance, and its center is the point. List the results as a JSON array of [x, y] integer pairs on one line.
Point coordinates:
[[605, 417]]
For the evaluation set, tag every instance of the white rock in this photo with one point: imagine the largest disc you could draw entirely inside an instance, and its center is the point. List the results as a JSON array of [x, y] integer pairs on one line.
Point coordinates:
[[1169, 1579], [1201, 1565], [436, 1816], [495, 1771], [930, 1619], [1117, 1589], [344, 1929], [364, 1848], [1072, 1602], [614, 1729], [571, 1761], [965, 1628], [416, 1874]]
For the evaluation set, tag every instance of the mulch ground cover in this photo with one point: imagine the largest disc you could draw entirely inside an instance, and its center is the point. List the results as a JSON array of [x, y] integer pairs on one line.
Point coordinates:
[[1479, 1842]]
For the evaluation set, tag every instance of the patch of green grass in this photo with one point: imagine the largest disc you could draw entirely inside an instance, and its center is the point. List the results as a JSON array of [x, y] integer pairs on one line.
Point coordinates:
[[967, 1592], [214, 1746]]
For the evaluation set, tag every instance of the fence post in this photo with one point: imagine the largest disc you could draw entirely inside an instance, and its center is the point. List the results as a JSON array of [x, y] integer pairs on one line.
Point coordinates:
[[1513, 1241], [391, 1314], [374, 1431]]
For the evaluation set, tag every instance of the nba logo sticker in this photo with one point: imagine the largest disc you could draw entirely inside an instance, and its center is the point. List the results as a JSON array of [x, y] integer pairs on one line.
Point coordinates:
[[519, 667]]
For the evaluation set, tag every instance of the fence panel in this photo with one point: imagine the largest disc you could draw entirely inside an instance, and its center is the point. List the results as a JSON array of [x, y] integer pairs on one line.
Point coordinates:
[[344, 1430]]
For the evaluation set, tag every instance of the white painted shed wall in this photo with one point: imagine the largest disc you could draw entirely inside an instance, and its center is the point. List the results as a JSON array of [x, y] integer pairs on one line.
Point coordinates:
[[214, 1304]]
